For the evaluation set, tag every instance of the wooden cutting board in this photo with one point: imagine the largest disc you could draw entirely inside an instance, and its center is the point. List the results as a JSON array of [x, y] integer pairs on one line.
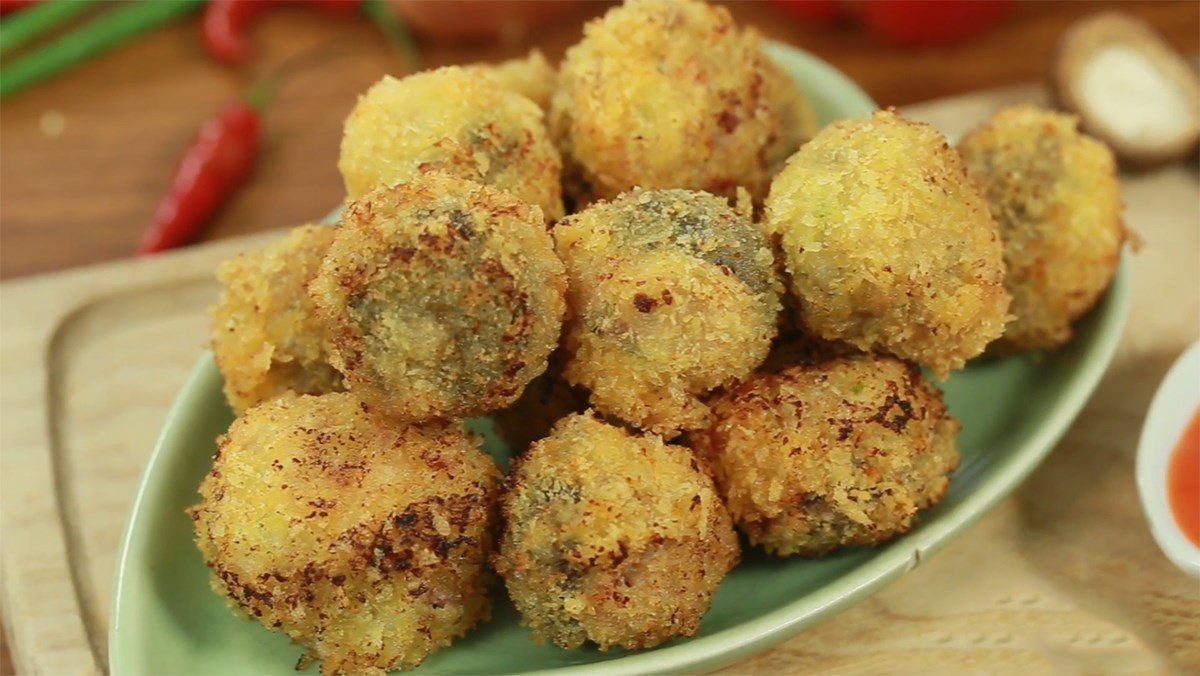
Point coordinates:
[[1063, 576]]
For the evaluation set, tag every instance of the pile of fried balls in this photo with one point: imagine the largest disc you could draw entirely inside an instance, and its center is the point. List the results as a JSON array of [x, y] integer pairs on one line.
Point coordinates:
[[690, 309]]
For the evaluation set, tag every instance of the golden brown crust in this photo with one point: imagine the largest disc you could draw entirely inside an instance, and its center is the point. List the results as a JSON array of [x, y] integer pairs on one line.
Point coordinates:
[[840, 452], [664, 94], [531, 76], [546, 400], [365, 542], [611, 538], [443, 297], [266, 337], [1056, 196], [798, 349], [888, 243], [672, 293], [453, 121]]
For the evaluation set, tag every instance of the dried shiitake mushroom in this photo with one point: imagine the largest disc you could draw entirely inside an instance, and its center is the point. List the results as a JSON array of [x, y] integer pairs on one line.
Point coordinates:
[[1130, 89]]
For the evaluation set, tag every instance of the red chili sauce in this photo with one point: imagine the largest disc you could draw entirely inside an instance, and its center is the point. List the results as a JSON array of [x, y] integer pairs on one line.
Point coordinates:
[[1183, 480]]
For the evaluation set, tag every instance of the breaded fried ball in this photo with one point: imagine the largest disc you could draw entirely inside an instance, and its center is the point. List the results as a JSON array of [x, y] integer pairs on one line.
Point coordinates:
[[454, 121], [843, 452], [665, 94], [532, 76], [546, 400], [611, 538], [443, 297], [888, 243], [265, 334], [795, 349], [672, 293], [364, 541], [1056, 196]]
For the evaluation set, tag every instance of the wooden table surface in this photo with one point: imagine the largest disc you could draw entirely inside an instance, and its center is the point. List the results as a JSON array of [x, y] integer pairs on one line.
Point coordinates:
[[84, 194], [84, 158]]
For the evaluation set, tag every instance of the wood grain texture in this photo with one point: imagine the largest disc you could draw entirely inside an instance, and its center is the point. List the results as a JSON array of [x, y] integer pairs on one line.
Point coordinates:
[[85, 195], [1061, 577], [88, 357]]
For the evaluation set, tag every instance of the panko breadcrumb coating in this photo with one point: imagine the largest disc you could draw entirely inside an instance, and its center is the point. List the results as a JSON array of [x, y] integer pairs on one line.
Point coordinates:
[[795, 349], [665, 94], [672, 293], [1056, 196], [611, 538], [888, 243], [532, 76], [265, 334], [842, 452], [443, 297], [366, 542], [454, 121], [546, 400]]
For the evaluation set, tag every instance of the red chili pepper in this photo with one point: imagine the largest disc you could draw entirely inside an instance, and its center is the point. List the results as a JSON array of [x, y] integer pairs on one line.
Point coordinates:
[[922, 23], [224, 28], [217, 161], [226, 22]]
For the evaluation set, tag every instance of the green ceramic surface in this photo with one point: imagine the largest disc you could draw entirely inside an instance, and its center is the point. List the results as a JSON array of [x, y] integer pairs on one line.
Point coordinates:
[[166, 620]]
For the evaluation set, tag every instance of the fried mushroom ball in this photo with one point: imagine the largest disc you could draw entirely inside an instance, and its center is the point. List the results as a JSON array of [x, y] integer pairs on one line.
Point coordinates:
[[672, 293], [1056, 196], [265, 334], [611, 538], [532, 76], [664, 94], [365, 542], [454, 121], [837, 453], [546, 400], [888, 243], [443, 297], [795, 349]]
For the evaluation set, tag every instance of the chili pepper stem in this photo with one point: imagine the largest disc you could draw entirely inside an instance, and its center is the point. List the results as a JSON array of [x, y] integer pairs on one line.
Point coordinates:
[[385, 17], [263, 92], [217, 162]]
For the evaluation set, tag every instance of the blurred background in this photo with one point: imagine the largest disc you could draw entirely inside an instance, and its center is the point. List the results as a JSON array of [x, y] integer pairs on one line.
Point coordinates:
[[86, 154], [94, 121]]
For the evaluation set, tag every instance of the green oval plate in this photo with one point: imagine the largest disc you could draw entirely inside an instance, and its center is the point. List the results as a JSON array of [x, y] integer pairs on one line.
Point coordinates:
[[166, 620]]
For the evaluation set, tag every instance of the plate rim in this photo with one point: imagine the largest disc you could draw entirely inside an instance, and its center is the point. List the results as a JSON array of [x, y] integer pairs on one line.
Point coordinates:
[[752, 636], [714, 650]]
